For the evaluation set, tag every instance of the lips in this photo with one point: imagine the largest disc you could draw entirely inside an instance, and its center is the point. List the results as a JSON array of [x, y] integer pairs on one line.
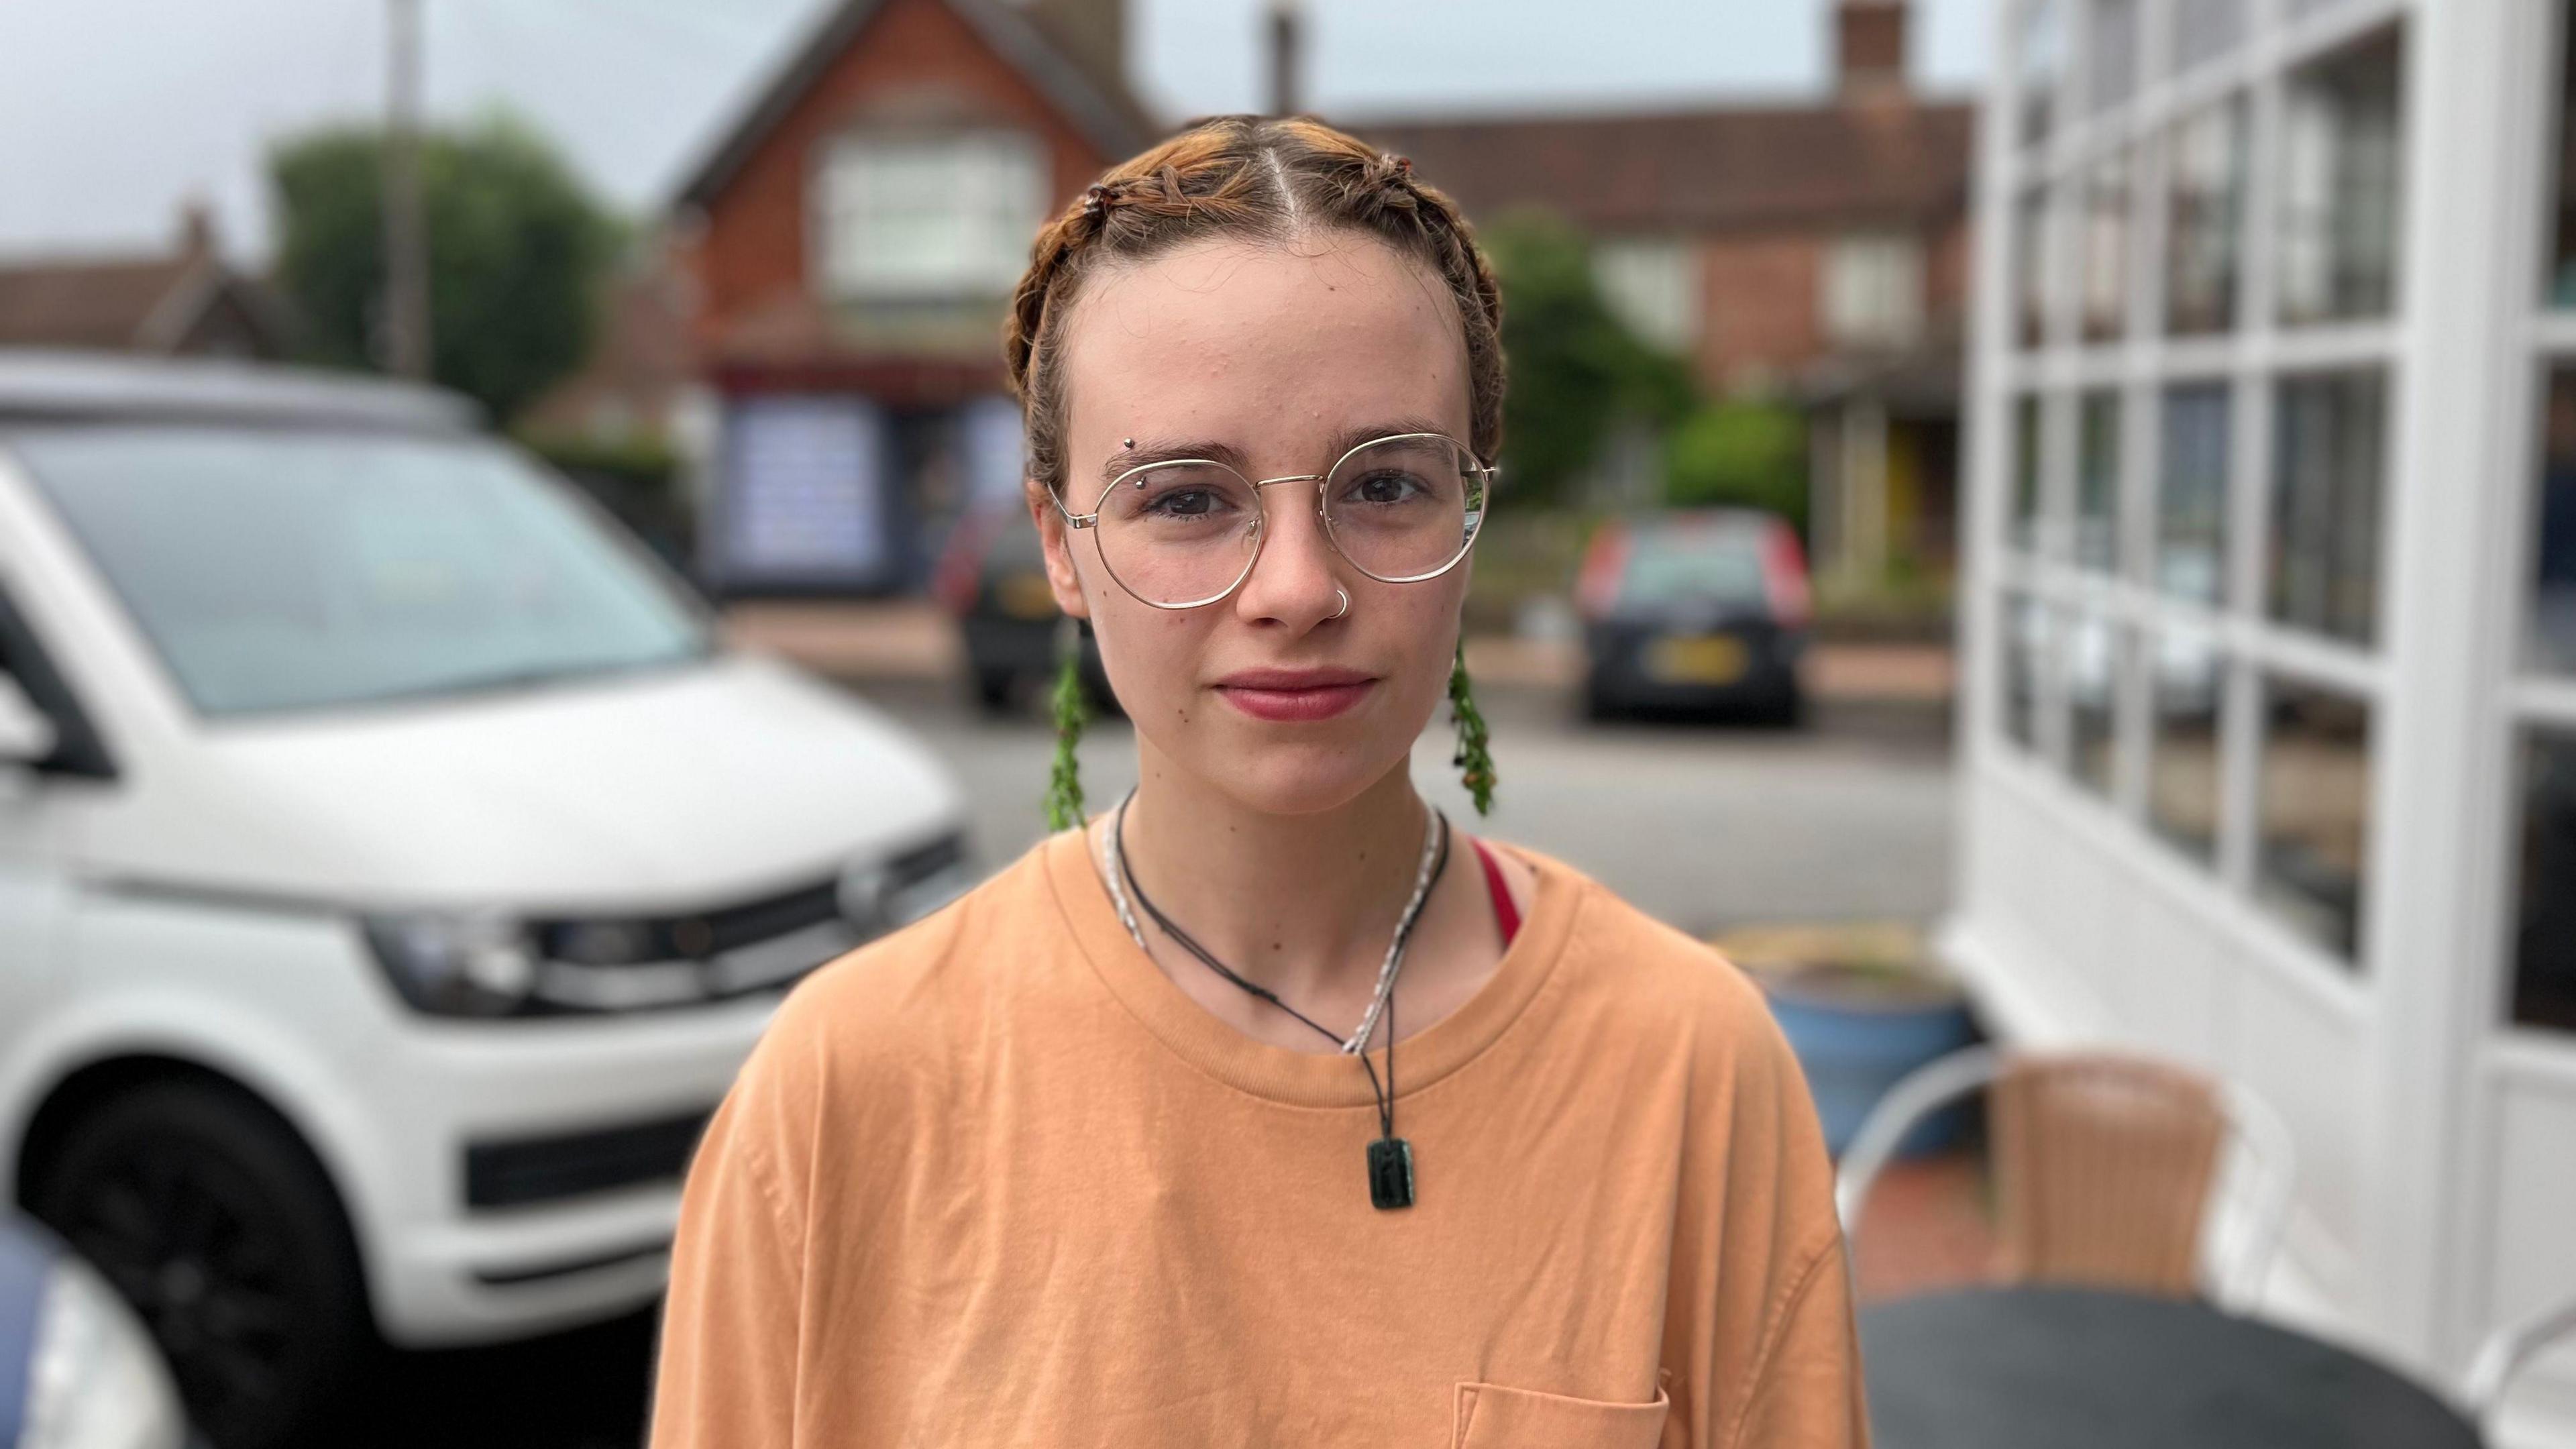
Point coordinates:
[[1295, 694]]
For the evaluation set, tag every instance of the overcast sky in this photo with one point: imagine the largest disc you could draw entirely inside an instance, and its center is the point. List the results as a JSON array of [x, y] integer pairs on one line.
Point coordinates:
[[114, 111]]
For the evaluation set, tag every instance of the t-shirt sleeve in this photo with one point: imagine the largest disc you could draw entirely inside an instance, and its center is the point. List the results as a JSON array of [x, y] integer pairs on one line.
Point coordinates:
[[729, 1353], [1807, 1388]]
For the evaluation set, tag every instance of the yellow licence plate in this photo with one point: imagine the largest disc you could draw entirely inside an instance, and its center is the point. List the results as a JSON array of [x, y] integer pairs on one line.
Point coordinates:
[[1715, 659], [1025, 596]]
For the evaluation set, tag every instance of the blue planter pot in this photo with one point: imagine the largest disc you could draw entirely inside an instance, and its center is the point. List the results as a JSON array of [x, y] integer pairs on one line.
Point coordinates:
[[1854, 1048]]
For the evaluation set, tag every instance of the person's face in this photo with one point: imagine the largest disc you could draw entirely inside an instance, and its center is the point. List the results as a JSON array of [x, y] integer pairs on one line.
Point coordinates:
[[1286, 355]]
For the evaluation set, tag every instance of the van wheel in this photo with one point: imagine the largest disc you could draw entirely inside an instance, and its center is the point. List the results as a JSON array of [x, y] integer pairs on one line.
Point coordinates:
[[213, 1219]]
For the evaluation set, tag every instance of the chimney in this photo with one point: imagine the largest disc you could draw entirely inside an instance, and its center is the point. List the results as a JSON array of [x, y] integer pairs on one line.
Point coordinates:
[[196, 230], [1286, 24], [1869, 47], [1091, 33]]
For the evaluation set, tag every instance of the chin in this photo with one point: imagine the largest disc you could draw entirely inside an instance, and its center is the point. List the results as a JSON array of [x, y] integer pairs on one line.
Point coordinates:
[[1306, 779]]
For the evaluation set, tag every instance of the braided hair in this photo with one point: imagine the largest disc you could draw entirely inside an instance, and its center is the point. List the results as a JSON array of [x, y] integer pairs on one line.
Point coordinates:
[[1250, 177]]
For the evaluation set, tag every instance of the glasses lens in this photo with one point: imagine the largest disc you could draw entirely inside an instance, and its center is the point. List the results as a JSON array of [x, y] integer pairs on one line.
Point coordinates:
[[1404, 507], [1179, 533]]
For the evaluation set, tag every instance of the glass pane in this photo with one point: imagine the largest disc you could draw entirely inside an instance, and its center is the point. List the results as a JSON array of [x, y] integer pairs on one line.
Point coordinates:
[[2544, 946], [2043, 67], [2186, 691], [2205, 215], [2025, 642], [2561, 282], [2097, 484], [2096, 652], [2191, 503], [2339, 185], [2111, 46], [2106, 250], [2550, 638], [2031, 264], [2324, 560], [2026, 474], [2313, 834], [2205, 29]]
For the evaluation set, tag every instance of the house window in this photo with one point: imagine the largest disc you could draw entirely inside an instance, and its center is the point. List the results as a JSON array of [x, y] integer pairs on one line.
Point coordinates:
[[1652, 285], [2106, 250], [2025, 644], [907, 217], [2544, 941], [2191, 506], [2097, 659], [2205, 200], [2203, 30], [2042, 61], [2326, 502], [2097, 483], [2027, 498], [2113, 46], [2315, 827], [1874, 291], [2339, 186], [2187, 693]]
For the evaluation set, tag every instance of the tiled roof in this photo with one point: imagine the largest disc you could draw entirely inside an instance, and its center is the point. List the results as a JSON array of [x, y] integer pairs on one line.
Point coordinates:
[[86, 303], [1108, 114], [1723, 168]]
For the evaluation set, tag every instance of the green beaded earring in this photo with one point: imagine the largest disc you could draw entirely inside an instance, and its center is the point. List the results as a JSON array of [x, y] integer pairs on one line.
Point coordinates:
[[1072, 710], [1475, 761]]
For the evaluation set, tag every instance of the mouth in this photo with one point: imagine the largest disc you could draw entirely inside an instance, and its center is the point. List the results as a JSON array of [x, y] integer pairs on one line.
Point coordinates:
[[1295, 694]]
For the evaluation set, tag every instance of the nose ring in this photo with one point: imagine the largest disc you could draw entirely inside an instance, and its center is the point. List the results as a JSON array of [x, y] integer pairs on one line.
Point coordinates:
[[1346, 599]]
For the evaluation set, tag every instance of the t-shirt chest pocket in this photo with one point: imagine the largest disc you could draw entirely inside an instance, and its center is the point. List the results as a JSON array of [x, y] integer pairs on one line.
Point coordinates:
[[1494, 1416]]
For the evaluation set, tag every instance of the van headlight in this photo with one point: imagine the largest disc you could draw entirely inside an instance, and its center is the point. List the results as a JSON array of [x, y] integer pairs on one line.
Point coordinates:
[[95, 1379], [456, 964]]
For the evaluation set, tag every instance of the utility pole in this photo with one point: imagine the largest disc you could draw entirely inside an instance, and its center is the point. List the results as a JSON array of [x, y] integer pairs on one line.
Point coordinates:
[[406, 336], [1286, 98]]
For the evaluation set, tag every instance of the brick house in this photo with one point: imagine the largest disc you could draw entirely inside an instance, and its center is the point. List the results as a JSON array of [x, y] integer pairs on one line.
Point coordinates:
[[187, 302], [1813, 252], [848, 246]]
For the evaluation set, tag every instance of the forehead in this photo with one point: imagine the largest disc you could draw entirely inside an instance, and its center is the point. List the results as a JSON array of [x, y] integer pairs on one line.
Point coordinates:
[[1268, 345]]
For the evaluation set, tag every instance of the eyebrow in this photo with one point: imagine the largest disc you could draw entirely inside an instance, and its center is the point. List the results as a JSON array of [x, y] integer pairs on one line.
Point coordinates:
[[1168, 450]]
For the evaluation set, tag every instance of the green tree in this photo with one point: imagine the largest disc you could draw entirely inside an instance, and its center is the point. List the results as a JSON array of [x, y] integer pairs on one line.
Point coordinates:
[[1741, 453], [1575, 369], [517, 253]]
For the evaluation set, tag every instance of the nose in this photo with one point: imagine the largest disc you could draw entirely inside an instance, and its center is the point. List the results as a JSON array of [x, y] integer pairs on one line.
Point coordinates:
[[1296, 580]]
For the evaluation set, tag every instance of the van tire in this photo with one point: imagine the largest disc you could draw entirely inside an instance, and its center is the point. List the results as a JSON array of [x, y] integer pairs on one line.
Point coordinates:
[[214, 1220]]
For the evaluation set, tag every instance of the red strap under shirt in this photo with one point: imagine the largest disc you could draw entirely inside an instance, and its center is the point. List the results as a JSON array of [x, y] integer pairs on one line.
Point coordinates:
[[1506, 914]]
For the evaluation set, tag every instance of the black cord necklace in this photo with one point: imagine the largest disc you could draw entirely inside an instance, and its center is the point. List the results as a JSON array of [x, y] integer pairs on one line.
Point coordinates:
[[1390, 1158]]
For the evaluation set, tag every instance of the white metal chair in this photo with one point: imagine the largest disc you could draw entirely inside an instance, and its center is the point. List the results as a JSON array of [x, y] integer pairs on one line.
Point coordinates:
[[2104, 1165], [2504, 1354]]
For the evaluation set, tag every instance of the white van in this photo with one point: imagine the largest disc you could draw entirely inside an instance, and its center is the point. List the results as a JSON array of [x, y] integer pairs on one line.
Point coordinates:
[[394, 868]]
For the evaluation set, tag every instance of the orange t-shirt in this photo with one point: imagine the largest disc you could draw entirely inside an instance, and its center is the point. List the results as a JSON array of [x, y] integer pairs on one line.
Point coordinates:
[[996, 1180]]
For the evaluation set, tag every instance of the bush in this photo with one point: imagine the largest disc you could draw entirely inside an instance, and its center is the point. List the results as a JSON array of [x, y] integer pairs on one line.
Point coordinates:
[[1740, 454]]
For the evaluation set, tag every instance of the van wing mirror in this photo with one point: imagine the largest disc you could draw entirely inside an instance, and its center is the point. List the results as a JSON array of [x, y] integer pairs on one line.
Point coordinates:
[[27, 734]]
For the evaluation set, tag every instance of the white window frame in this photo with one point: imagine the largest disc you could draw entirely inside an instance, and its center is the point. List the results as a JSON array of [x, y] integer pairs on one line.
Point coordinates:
[[2140, 364], [981, 259]]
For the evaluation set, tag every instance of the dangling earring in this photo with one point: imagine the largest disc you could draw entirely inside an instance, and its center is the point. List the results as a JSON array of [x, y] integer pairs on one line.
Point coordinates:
[[1475, 762], [1072, 711]]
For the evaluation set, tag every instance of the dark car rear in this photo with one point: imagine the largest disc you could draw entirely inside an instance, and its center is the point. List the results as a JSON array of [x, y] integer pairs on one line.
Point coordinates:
[[993, 578], [1701, 613]]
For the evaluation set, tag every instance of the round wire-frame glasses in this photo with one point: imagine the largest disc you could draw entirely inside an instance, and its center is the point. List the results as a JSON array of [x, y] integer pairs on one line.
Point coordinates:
[[1198, 478]]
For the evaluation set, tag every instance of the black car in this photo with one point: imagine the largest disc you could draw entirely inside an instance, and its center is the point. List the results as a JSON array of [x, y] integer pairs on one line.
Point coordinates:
[[993, 578], [1702, 612]]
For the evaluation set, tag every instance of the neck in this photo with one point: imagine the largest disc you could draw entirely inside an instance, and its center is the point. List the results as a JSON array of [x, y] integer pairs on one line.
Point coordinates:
[[1300, 904]]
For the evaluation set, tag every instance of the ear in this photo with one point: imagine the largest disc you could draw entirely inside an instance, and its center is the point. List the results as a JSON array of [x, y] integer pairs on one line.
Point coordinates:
[[1057, 540]]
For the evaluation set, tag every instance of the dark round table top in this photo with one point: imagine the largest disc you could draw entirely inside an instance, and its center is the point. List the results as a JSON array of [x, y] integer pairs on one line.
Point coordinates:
[[2040, 1368]]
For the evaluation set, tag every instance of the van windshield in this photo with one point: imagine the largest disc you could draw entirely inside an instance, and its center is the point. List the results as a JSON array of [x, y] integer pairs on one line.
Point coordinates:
[[281, 570]]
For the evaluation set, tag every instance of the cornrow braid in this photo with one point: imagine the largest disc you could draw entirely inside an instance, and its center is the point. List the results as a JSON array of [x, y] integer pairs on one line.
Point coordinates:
[[1256, 178]]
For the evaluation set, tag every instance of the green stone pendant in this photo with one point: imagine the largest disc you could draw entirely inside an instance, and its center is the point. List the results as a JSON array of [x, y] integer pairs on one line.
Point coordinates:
[[1390, 1169]]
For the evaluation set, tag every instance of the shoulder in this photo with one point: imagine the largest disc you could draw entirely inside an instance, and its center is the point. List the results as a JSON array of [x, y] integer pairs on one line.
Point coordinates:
[[1660, 987], [878, 1017]]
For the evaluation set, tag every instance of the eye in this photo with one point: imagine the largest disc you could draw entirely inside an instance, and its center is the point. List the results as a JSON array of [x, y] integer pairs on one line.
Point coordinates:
[[1383, 486], [1183, 502]]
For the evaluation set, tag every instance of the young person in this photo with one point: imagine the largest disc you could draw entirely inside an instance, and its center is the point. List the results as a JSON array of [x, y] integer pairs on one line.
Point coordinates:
[[1267, 1107]]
